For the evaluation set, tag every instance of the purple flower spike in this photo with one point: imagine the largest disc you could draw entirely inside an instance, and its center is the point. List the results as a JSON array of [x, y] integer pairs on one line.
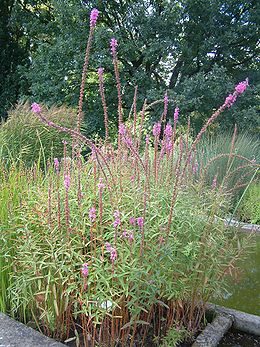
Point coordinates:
[[67, 182], [132, 221], [93, 17], [36, 108], [176, 114], [230, 100], [92, 214], [101, 185], [140, 222], [113, 45], [84, 270], [122, 129], [113, 254], [56, 164], [156, 129], [100, 72], [108, 246], [168, 131], [241, 87]]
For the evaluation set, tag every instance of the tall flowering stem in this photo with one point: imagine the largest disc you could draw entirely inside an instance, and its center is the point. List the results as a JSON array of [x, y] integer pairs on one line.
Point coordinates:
[[103, 99], [175, 189], [239, 89], [93, 19], [187, 136], [135, 111], [141, 124], [66, 182], [50, 201], [165, 108], [101, 187], [156, 134], [113, 45], [57, 169]]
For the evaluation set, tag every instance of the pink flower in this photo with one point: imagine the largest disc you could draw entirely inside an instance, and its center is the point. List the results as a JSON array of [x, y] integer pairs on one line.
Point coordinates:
[[230, 100], [132, 221], [117, 220], [147, 139], [128, 141], [176, 114], [36, 108], [93, 17], [101, 185], [130, 236], [241, 87], [168, 146], [116, 214], [125, 234], [168, 130], [84, 270], [100, 72], [67, 182], [156, 129], [113, 254], [108, 246], [122, 129], [113, 45], [92, 214], [166, 100], [140, 222], [56, 164], [132, 179]]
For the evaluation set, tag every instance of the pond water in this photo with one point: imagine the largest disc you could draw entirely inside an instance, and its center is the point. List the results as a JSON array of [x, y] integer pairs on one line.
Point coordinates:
[[244, 294]]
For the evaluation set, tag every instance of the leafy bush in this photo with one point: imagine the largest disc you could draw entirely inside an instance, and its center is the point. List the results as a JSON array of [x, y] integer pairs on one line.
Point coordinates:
[[123, 247], [249, 209], [23, 137]]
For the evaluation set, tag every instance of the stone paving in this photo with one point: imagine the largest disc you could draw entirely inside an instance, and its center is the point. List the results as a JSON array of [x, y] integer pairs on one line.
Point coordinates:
[[15, 334]]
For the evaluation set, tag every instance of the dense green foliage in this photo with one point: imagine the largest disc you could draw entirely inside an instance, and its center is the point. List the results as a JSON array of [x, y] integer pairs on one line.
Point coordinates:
[[197, 50], [249, 210]]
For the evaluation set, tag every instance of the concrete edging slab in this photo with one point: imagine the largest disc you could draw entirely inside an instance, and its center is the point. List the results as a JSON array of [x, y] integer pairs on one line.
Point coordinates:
[[16, 334]]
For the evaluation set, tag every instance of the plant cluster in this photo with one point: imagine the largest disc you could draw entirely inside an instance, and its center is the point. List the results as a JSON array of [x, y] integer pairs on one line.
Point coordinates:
[[124, 247]]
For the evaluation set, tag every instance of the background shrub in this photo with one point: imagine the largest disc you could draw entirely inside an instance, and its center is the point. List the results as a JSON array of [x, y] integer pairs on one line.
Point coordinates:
[[249, 209]]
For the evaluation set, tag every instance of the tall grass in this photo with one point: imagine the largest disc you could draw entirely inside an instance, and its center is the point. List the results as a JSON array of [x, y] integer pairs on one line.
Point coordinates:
[[24, 138], [232, 171]]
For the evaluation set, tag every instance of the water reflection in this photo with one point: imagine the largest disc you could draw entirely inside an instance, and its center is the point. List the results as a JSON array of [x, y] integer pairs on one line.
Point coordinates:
[[244, 294]]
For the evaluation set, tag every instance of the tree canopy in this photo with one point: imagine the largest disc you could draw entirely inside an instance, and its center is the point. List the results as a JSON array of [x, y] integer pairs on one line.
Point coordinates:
[[195, 49]]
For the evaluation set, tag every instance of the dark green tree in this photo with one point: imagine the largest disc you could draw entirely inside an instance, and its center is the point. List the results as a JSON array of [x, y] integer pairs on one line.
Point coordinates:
[[197, 49]]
